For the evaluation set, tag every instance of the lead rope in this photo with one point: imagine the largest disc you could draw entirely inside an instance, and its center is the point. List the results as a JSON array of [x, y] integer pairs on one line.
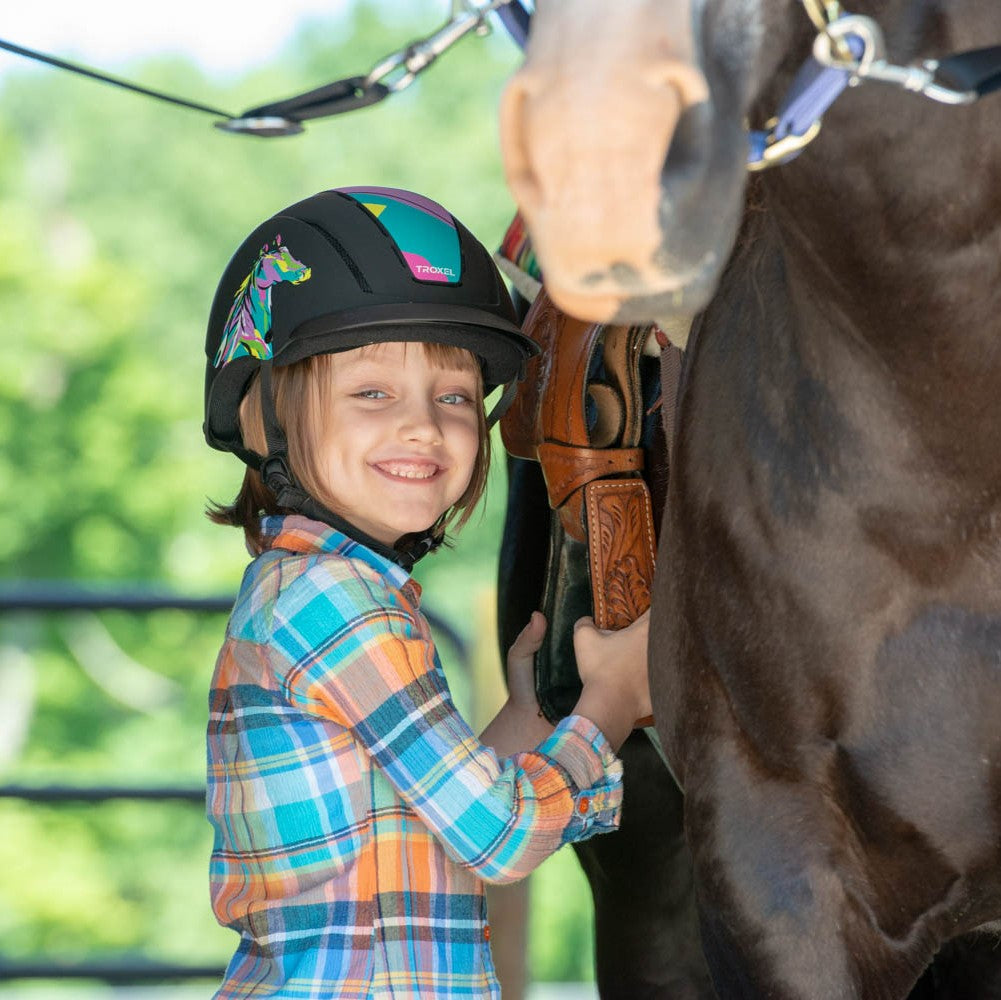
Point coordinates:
[[393, 73]]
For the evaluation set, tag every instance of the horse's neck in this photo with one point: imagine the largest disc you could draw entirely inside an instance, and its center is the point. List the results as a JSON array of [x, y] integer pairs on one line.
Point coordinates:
[[903, 324], [897, 224], [892, 218]]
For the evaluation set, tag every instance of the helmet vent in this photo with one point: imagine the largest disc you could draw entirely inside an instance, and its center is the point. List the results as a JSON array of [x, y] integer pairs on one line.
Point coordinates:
[[349, 261]]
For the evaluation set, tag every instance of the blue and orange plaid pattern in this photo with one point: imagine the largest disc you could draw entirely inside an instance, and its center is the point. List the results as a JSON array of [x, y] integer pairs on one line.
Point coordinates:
[[356, 815]]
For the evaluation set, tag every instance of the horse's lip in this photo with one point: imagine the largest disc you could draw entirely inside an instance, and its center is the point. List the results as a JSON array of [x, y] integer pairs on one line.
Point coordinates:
[[684, 294]]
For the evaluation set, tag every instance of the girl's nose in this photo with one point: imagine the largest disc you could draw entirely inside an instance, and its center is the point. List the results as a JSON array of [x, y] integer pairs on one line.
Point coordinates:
[[420, 422]]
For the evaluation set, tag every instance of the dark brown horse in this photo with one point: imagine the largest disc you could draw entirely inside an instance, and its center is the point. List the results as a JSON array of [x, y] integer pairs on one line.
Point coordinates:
[[826, 648]]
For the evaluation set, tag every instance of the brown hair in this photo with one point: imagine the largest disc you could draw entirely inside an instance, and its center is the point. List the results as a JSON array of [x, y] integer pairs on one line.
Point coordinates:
[[300, 402]]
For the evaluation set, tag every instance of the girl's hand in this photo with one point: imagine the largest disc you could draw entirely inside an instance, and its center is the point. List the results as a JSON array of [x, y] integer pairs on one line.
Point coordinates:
[[519, 725], [521, 662], [613, 668]]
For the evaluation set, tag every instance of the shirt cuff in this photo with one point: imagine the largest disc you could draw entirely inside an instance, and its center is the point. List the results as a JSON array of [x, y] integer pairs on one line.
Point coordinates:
[[580, 749]]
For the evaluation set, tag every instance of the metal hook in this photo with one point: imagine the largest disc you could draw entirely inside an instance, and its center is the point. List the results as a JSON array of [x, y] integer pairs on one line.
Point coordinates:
[[775, 152], [417, 56], [873, 65], [832, 47]]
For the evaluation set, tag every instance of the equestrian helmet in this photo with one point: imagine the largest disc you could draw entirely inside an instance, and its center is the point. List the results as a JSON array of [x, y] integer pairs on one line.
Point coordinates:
[[346, 268]]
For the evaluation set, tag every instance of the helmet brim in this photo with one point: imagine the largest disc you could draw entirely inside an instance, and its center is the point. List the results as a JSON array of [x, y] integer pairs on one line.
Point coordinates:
[[501, 346]]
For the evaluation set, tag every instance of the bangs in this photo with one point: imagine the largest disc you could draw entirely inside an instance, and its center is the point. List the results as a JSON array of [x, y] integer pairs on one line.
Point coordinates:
[[450, 356], [440, 356]]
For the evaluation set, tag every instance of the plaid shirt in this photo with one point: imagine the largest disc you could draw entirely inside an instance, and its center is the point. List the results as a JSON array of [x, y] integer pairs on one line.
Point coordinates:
[[356, 815]]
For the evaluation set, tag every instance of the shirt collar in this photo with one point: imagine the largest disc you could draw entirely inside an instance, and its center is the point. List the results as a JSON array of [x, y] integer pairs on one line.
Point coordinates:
[[302, 534]]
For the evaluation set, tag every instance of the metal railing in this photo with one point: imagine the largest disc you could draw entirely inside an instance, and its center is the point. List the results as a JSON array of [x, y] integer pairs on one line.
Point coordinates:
[[55, 598]]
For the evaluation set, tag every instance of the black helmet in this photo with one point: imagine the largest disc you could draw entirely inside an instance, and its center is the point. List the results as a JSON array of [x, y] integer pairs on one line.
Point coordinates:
[[350, 267]]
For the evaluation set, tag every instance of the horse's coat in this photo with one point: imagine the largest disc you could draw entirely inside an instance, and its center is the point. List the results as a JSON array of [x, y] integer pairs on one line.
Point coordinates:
[[826, 646]]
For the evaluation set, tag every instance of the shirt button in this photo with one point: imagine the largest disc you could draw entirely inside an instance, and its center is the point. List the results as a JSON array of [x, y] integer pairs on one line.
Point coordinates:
[[583, 805]]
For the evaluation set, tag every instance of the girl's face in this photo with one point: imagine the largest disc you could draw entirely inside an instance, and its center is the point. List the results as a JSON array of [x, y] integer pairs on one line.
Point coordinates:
[[400, 438]]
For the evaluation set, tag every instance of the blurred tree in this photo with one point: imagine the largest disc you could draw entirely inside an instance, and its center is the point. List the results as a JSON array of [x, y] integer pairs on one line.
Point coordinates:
[[119, 215]]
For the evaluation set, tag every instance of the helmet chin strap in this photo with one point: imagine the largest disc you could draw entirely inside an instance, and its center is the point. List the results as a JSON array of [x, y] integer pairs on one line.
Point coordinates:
[[503, 404], [277, 476]]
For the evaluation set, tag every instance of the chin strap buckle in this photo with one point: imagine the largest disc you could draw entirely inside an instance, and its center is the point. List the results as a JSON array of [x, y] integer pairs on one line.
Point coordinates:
[[277, 476]]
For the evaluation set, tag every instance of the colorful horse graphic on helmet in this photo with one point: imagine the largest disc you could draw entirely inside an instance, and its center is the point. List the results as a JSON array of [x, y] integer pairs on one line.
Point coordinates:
[[249, 321]]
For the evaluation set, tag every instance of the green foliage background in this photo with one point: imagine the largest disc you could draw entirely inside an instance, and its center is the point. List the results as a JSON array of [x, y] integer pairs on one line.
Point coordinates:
[[118, 216]]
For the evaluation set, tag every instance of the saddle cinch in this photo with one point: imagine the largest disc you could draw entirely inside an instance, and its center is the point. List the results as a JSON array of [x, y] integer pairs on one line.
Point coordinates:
[[580, 413]]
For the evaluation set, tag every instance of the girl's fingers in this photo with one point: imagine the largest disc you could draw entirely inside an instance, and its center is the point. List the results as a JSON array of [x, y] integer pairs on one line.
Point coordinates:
[[587, 622], [521, 661], [529, 638], [587, 639], [599, 648]]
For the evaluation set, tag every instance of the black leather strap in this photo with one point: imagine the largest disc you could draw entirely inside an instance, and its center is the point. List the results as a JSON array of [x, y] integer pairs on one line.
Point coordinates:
[[335, 98], [978, 70]]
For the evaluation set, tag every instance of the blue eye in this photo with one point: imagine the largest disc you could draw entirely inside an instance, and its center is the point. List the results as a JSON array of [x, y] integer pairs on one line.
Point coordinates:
[[371, 394], [454, 398]]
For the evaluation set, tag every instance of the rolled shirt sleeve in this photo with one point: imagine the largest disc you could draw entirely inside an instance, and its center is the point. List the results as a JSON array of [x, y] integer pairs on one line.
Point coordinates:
[[356, 650]]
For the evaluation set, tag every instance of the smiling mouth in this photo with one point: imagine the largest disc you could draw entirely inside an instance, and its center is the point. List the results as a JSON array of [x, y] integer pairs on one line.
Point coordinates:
[[414, 471]]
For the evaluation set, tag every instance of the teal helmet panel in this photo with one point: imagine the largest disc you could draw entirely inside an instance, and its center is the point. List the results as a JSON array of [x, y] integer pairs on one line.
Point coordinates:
[[423, 232]]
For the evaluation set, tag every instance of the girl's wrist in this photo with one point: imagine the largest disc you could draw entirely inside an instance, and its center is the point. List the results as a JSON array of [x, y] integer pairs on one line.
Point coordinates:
[[517, 728], [605, 707], [530, 718]]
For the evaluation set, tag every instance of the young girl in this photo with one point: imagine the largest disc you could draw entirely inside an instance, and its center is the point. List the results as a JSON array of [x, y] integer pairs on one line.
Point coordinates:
[[350, 344]]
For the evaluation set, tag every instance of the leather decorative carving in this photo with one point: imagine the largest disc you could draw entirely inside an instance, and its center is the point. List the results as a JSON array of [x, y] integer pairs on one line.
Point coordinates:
[[622, 547], [622, 551]]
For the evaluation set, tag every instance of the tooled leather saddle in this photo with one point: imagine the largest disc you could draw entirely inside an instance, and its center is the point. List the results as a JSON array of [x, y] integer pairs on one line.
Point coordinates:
[[584, 413]]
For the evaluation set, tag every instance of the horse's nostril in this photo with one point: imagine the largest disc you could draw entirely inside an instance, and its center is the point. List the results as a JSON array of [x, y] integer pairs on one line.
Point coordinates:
[[621, 272], [686, 79], [624, 273]]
